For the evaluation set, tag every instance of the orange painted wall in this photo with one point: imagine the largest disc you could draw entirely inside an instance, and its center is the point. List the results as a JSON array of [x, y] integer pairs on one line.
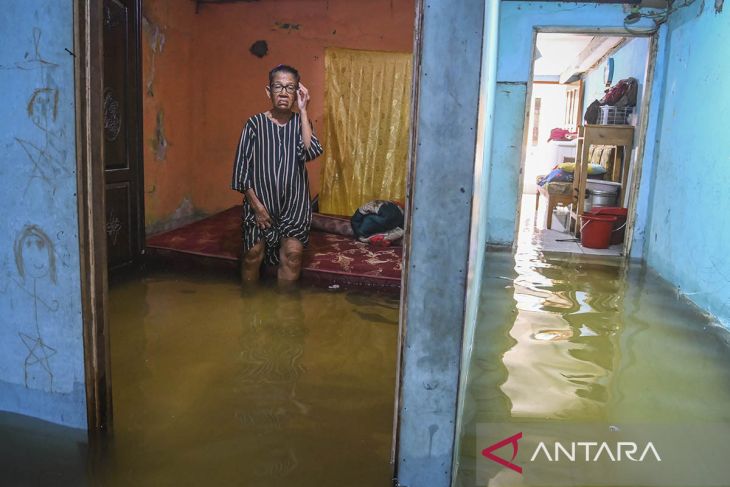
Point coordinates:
[[214, 83], [167, 88]]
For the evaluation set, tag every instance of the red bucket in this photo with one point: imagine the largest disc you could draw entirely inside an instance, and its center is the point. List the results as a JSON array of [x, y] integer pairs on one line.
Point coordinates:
[[595, 231], [619, 228]]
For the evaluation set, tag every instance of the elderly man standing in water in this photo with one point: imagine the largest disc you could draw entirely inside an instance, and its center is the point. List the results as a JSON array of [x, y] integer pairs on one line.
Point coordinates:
[[270, 171]]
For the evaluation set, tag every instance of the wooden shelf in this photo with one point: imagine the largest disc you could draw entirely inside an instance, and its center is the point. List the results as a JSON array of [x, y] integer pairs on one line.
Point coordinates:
[[620, 136]]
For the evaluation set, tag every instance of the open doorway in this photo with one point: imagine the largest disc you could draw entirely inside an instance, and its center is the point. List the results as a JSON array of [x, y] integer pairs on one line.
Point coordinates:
[[587, 99], [286, 377]]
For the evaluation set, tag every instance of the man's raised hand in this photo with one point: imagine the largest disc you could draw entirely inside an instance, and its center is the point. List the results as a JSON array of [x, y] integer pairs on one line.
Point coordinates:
[[302, 97]]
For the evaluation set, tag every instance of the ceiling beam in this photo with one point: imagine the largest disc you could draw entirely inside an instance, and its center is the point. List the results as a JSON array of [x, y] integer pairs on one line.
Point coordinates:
[[596, 49]]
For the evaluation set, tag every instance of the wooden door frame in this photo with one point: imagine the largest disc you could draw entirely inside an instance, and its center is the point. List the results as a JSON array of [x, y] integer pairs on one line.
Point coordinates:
[[641, 128], [88, 31], [89, 77], [89, 49]]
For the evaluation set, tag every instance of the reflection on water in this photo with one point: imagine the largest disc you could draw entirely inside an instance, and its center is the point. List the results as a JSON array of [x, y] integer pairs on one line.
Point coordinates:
[[583, 338], [215, 385]]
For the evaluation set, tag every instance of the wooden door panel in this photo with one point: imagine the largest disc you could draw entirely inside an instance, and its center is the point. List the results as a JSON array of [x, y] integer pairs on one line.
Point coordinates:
[[119, 222], [116, 58], [122, 133]]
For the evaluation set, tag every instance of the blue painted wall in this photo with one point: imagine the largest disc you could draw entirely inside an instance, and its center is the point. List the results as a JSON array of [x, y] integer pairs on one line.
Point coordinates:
[[505, 165], [41, 348], [478, 232], [653, 134], [436, 278], [689, 230], [517, 23], [629, 62]]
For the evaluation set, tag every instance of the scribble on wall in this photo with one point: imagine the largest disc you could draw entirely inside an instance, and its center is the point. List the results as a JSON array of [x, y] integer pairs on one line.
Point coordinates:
[[36, 60], [47, 157], [35, 259]]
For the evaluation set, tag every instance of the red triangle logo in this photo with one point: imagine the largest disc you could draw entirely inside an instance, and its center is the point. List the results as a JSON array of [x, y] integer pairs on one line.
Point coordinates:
[[487, 452]]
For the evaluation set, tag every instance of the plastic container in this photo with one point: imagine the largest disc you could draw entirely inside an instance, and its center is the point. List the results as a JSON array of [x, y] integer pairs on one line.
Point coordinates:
[[619, 228], [595, 230], [611, 115]]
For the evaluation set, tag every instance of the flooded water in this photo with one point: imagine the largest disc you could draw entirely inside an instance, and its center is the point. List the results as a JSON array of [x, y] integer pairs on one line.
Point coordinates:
[[214, 385], [570, 339]]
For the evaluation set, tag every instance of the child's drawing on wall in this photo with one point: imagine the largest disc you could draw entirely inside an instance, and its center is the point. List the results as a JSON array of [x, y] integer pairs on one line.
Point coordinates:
[[35, 260], [46, 153]]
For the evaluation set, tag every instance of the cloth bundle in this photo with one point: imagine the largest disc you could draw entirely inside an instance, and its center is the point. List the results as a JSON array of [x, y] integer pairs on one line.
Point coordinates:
[[378, 222]]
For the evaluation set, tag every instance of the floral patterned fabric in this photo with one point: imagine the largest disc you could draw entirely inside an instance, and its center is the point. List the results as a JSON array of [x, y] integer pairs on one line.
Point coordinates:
[[340, 255], [329, 258]]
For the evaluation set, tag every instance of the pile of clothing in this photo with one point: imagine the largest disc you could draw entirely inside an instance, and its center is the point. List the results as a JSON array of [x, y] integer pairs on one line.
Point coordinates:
[[622, 95], [562, 135], [378, 222]]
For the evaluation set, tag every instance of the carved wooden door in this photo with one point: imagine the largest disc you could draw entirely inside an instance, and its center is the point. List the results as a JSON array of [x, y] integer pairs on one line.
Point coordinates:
[[122, 152]]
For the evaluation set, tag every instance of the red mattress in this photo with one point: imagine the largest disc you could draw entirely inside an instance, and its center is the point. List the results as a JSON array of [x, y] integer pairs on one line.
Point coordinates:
[[328, 259]]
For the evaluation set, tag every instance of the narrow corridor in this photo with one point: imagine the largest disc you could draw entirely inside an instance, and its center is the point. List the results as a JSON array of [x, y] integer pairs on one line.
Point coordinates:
[[580, 338]]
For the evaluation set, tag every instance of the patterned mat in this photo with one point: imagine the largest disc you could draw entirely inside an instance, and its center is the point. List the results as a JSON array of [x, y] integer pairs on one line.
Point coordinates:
[[329, 259]]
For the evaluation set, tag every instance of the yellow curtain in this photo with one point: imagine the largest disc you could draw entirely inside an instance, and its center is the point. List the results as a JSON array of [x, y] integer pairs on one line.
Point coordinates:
[[367, 108]]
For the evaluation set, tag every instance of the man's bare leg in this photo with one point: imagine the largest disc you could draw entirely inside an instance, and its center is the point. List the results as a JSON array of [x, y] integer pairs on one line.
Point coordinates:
[[251, 265], [290, 257]]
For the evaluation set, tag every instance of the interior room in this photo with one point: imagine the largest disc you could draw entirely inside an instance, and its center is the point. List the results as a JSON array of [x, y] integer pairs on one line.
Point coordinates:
[[311, 367], [198, 93], [577, 187]]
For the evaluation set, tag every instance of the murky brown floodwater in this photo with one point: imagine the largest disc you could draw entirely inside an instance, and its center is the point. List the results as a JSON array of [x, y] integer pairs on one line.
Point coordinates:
[[214, 386], [575, 339], [270, 387], [264, 387]]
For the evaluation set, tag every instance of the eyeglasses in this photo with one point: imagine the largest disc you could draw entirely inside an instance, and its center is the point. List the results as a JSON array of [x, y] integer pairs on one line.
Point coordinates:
[[291, 89]]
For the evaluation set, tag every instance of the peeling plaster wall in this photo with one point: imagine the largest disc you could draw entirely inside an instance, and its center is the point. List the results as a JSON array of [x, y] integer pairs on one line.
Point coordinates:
[[517, 22], [688, 234], [41, 336], [168, 93], [297, 33], [206, 83]]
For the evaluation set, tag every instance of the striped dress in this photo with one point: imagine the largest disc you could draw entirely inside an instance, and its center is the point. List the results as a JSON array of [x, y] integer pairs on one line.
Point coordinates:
[[270, 159]]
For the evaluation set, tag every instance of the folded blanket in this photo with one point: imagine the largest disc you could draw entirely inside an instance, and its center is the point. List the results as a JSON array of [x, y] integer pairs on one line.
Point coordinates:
[[376, 216]]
